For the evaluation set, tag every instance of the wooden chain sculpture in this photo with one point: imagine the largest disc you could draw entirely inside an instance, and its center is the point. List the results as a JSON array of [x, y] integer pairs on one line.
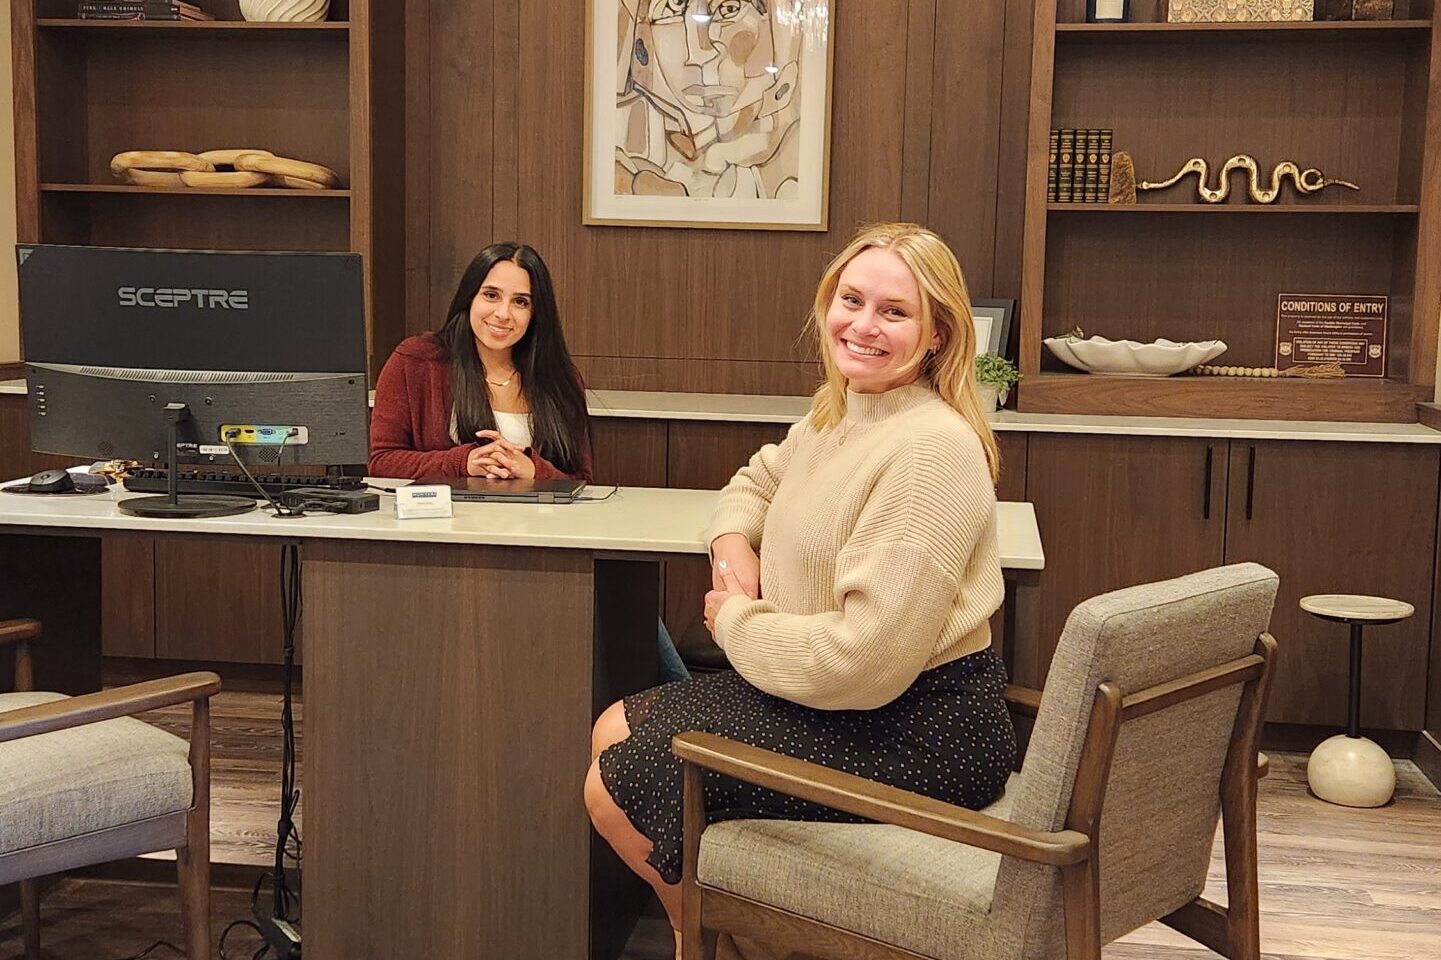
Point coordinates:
[[1307, 181]]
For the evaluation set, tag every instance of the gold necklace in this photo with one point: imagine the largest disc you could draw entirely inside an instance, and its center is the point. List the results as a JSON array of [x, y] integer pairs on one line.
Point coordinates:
[[502, 383]]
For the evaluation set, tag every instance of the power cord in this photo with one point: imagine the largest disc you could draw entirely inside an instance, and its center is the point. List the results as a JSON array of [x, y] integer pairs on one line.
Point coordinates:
[[287, 842], [280, 509], [143, 954], [613, 491], [276, 924], [224, 934], [322, 506]]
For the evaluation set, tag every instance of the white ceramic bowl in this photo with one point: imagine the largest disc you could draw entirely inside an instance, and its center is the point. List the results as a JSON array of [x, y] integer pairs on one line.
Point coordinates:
[[1130, 358]]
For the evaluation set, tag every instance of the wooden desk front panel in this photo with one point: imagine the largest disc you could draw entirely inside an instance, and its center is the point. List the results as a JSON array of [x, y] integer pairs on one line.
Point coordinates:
[[448, 710]]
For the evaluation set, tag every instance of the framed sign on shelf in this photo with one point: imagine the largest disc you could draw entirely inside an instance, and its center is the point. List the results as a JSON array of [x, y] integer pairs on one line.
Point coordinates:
[[992, 318], [1314, 329]]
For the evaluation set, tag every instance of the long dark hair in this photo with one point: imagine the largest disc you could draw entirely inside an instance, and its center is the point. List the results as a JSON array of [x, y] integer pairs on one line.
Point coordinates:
[[560, 425]]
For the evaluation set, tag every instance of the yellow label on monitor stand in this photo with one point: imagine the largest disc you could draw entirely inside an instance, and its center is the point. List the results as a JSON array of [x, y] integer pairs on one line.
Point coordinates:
[[263, 434]]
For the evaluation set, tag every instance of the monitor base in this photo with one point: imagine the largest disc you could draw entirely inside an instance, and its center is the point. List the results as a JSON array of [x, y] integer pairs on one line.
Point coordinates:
[[190, 506]]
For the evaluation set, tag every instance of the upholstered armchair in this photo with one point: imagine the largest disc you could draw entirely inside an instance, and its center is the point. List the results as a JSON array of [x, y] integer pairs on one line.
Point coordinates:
[[83, 782], [1145, 735]]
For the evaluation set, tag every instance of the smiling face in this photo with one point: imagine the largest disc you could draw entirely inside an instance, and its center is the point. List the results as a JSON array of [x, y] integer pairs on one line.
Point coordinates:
[[500, 313], [873, 325]]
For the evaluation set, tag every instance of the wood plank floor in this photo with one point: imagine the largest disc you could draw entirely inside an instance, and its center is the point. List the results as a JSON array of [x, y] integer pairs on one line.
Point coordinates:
[[244, 772], [1337, 884]]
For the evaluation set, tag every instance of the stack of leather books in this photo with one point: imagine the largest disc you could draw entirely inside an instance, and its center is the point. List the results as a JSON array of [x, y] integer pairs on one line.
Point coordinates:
[[1080, 166], [140, 10]]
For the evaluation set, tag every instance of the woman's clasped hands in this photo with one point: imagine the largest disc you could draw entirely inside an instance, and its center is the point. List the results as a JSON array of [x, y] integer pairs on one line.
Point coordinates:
[[735, 572], [499, 459]]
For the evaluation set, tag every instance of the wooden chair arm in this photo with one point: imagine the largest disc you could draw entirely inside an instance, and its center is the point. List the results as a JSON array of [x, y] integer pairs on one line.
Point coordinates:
[[21, 633], [16, 631], [877, 801], [1023, 700], [106, 705]]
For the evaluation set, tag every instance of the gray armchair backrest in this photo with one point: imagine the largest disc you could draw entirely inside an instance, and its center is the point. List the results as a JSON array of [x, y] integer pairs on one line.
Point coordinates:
[[1163, 797]]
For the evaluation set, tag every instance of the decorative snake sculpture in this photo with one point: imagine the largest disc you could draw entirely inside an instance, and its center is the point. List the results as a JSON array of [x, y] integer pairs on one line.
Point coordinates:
[[1307, 181]]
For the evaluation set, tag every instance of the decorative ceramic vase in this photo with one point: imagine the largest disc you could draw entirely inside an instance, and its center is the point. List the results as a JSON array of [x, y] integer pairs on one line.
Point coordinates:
[[286, 11]]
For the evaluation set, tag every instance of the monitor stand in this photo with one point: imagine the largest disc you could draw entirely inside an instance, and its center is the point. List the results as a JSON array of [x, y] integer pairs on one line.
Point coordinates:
[[192, 505]]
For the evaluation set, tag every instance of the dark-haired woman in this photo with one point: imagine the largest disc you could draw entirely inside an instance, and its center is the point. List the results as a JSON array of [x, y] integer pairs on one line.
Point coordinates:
[[493, 392]]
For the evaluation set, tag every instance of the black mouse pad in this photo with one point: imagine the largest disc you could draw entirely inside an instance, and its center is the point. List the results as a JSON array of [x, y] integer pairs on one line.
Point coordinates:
[[77, 492]]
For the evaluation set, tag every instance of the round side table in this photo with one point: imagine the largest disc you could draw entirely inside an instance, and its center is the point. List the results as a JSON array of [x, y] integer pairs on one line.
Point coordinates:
[[1349, 769]]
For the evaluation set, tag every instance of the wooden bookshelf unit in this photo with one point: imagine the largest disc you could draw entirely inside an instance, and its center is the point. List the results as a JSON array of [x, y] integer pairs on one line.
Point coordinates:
[[328, 92], [1354, 99]]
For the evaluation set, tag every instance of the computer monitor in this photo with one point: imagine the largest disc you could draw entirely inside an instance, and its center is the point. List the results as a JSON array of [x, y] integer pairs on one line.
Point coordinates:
[[173, 354]]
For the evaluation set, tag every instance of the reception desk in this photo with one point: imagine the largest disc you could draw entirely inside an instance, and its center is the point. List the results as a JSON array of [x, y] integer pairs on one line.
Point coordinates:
[[452, 671]]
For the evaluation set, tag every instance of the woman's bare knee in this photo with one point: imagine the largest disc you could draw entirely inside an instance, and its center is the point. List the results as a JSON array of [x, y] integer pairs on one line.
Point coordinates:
[[630, 844], [610, 728], [603, 810]]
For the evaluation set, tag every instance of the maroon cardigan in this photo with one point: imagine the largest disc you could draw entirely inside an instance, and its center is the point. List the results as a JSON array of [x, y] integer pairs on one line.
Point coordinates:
[[410, 425]]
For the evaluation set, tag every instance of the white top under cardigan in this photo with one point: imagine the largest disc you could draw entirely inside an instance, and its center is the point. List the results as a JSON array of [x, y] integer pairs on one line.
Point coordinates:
[[515, 427]]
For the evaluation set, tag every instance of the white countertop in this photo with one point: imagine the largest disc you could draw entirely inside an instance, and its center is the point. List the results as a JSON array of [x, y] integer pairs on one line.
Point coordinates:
[[738, 408], [636, 519], [748, 409], [1010, 420], [728, 407]]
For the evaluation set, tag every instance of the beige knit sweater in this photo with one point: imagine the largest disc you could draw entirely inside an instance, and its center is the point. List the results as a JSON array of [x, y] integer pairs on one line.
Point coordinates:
[[877, 540]]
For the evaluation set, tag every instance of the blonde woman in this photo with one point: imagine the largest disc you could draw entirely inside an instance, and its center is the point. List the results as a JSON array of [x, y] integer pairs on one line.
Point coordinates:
[[855, 572]]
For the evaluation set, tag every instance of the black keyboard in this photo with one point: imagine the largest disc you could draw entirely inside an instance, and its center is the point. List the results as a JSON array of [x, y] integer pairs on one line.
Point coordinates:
[[151, 480]]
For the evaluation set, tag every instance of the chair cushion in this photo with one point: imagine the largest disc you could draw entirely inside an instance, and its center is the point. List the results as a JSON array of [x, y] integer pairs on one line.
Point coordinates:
[[898, 886], [71, 782]]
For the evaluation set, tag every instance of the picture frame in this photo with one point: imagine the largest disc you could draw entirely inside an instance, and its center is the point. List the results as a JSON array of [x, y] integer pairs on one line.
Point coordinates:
[[652, 154], [993, 317]]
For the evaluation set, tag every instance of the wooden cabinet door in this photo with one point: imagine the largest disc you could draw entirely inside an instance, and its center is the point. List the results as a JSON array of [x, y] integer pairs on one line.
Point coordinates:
[[1340, 518], [219, 600], [127, 596], [1114, 512], [628, 452], [1012, 485]]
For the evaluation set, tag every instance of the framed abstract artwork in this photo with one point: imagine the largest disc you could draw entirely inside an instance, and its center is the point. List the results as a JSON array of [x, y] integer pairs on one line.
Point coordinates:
[[708, 113]]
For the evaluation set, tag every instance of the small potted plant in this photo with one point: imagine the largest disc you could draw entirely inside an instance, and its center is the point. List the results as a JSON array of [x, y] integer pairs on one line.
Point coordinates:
[[995, 376]]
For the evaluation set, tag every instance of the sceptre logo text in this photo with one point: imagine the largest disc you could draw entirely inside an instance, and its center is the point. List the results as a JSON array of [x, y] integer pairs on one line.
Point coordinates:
[[179, 297]]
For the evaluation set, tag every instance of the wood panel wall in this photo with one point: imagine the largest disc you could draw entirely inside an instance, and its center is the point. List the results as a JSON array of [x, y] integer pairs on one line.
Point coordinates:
[[928, 123]]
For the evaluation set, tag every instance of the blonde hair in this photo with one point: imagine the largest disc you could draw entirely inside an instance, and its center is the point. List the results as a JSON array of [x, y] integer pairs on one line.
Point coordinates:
[[945, 310]]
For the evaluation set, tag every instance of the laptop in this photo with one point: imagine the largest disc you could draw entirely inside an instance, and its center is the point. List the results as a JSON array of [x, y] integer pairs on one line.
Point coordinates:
[[479, 489]]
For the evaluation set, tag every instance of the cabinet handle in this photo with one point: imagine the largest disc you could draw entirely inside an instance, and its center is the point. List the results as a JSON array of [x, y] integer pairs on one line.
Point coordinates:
[[1251, 484], [1206, 489]]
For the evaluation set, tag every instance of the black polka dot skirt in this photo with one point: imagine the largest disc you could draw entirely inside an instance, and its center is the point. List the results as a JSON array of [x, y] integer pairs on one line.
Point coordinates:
[[949, 737]]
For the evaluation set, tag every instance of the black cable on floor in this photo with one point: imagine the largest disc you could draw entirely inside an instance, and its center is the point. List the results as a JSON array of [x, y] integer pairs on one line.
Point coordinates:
[[143, 954], [260, 952]]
